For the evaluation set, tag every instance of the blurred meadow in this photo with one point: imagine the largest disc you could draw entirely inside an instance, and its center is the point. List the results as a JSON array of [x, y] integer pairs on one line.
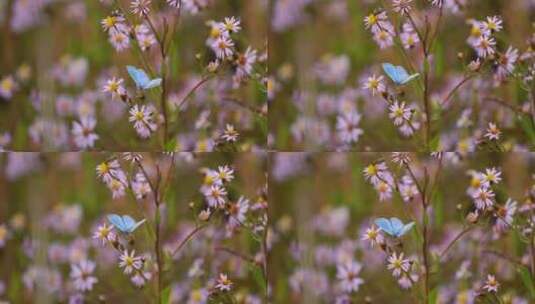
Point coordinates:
[[57, 60], [54, 208], [322, 54], [321, 205]]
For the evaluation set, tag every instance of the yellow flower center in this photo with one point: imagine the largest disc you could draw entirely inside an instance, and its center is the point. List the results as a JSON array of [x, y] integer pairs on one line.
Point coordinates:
[[7, 84], [3, 232], [110, 21], [372, 19], [139, 116], [103, 168], [371, 169]]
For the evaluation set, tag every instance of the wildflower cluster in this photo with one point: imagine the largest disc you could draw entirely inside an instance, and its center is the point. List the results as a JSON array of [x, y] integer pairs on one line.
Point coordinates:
[[204, 95], [439, 93], [434, 236]]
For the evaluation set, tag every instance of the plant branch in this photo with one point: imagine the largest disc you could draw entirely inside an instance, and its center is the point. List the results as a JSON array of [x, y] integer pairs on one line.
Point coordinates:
[[187, 238], [192, 91], [458, 237], [237, 254]]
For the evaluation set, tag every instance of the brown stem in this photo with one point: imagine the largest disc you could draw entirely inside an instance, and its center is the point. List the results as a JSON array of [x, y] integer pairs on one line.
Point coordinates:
[[425, 253], [413, 176], [422, 39], [506, 104], [458, 86], [157, 249], [425, 243], [532, 93], [187, 238], [503, 256], [153, 28], [245, 105], [176, 21], [157, 242], [163, 53], [163, 102], [532, 252], [265, 256], [237, 254], [427, 106], [144, 61], [190, 93], [458, 237], [437, 28]]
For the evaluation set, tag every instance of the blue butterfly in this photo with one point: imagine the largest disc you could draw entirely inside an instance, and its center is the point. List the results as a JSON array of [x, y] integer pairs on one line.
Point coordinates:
[[124, 223], [142, 80], [398, 74], [393, 226]]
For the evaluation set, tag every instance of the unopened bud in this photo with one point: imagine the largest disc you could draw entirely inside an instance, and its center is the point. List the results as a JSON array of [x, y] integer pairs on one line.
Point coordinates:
[[204, 215], [472, 217]]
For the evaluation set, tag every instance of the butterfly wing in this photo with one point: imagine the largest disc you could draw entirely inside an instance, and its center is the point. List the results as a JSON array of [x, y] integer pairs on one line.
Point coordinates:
[[138, 75], [397, 225], [406, 228], [391, 71], [385, 225], [117, 221], [402, 73], [409, 78], [138, 224], [129, 223], [153, 83]]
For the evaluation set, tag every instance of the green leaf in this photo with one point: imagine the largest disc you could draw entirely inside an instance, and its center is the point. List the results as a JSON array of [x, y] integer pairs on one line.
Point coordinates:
[[170, 146], [435, 142], [433, 296], [259, 278], [262, 123], [417, 235], [527, 280], [527, 126], [166, 295]]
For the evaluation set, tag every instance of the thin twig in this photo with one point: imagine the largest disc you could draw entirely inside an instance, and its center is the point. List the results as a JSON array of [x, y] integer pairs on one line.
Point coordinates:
[[187, 238], [192, 91], [506, 104], [458, 86], [503, 256], [245, 105], [240, 255], [458, 237]]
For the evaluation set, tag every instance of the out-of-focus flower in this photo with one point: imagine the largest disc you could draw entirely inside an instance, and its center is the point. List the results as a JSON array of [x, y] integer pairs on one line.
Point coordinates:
[[402, 6], [83, 132], [82, 277], [493, 132], [4, 234], [8, 86], [491, 284], [223, 283], [230, 134], [347, 126], [140, 7], [504, 216], [348, 273]]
